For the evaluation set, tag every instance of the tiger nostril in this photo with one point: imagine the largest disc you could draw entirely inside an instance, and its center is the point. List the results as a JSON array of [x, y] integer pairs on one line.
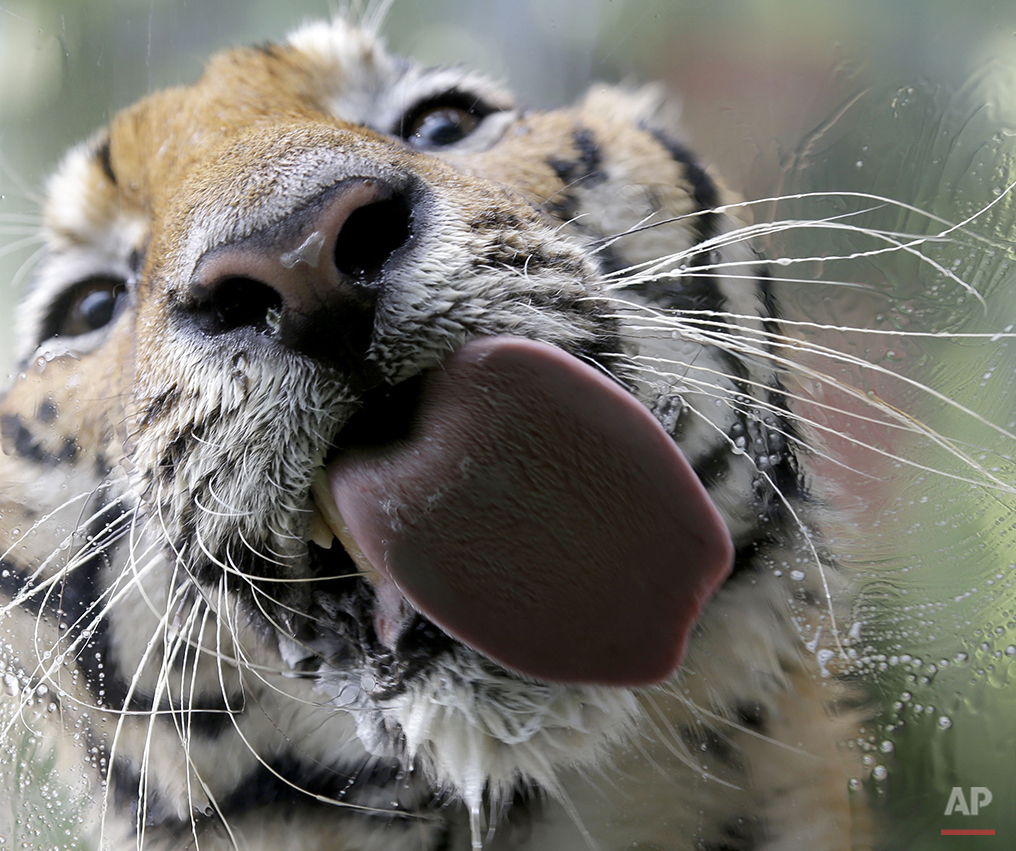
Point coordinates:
[[238, 302], [370, 235]]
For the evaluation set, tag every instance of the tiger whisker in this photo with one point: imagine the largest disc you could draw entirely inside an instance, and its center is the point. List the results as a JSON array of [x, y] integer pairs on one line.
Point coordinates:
[[710, 330], [901, 421]]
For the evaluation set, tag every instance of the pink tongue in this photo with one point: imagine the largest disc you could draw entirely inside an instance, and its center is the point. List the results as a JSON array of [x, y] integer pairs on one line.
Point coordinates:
[[540, 515]]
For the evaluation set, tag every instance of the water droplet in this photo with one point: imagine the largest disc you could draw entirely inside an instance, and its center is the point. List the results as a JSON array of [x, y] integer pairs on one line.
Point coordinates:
[[944, 721], [475, 829], [347, 694], [309, 252]]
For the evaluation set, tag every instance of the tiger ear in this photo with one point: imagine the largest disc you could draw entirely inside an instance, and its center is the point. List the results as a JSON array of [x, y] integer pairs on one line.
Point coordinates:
[[650, 105], [341, 48], [653, 110]]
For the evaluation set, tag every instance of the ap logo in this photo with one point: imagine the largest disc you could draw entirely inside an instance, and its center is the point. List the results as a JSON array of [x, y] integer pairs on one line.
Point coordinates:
[[980, 797]]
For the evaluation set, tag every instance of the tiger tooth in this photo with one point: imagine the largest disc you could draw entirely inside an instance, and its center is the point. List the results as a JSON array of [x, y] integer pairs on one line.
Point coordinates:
[[319, 531], [326, 522]]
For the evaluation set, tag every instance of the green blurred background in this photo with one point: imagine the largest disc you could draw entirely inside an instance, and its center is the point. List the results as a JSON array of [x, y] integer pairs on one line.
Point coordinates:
[[910, 100]]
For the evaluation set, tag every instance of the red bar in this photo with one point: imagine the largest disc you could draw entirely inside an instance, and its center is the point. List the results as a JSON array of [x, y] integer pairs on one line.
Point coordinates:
[[968, 832]]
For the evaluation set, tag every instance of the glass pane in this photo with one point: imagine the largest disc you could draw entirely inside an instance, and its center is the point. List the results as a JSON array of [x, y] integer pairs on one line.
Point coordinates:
[[877, 141]]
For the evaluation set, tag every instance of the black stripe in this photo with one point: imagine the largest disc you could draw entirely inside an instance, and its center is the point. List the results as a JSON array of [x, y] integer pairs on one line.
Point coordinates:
[[770, 320], [741, 833], [47, 411], [704, 190], [586, 168], [126, 780], [590, 155], [104, 157], [18, 440], [751, 714], [771, 530], [712, 467], [575, 174], [690, 291], [266, 48], [712, 742], [288, 781], [284, 785]]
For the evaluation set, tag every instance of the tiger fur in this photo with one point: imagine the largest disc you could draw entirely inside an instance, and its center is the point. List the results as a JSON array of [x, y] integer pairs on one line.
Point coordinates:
[[175, 649]]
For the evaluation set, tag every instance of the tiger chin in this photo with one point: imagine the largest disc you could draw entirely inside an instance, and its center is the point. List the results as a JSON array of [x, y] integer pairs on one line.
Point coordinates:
[[329, 519]]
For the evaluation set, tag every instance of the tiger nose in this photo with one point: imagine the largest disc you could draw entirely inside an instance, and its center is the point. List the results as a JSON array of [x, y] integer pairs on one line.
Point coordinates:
[[310, 280]]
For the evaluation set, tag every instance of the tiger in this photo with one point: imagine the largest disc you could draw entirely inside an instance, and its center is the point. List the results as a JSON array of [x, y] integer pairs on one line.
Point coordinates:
[[394, 466]]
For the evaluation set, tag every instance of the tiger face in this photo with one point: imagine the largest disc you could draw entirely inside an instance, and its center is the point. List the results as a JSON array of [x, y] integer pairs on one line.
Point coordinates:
[[397, 467]]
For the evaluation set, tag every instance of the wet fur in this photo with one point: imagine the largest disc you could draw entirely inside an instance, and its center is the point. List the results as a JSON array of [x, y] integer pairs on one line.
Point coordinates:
[[186, 671]]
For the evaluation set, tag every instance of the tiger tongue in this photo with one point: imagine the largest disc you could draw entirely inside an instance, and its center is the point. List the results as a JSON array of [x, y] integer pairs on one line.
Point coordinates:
[[540, 515]]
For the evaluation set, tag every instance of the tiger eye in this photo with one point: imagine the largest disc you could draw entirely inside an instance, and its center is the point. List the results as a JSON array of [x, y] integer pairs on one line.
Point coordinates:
[[88, 306], [443, 126]]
